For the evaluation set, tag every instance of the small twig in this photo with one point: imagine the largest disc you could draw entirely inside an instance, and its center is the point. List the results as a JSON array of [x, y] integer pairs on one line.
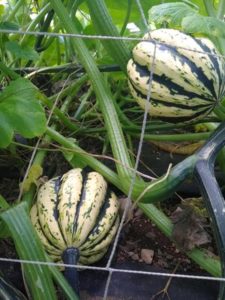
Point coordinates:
[[164, 291]]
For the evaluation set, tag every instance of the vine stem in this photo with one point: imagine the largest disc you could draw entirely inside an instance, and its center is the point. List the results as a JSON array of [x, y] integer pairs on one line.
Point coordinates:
[[18, 5], [209, 8], [102, 91], [221, 10]]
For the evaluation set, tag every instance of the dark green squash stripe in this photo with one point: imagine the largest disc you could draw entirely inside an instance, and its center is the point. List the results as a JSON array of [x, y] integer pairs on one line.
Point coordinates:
[[178, 119], [102, 212], [49, 241], [172, 104], [181, 106], [200, 75], [57, 186], [212, 58], [95, 229], [82, 198], [163, 80]]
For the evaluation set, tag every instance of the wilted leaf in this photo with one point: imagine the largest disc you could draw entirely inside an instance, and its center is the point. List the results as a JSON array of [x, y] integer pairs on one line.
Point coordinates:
[[33, 175], [188, 230], [20, 111], [172, 13], [21, 52]]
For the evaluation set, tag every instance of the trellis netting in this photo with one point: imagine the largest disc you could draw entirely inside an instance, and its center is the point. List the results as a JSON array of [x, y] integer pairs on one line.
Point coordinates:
[[134, 280]]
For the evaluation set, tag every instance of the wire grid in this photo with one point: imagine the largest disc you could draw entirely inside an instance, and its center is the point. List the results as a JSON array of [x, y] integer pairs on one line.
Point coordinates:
[[109, 269]]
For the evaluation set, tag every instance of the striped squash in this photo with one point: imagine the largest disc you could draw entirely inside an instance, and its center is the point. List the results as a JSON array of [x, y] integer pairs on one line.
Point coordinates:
[[186, 84], [76, 210]]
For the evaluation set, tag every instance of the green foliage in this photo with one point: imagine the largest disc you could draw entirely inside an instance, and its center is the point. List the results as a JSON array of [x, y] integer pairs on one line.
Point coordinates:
[[172, 13], [23, 52], [3, 203], [9, 25], [206, 25], [29, 248], [20, 111], [39, 278], [118, 12], [186, 17]]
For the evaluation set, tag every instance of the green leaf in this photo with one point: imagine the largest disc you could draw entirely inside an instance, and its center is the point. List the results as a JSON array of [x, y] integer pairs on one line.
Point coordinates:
[[20, 111], [118, 12], [74, 159], [21, 52], [3, 203], [182, 15], [4, 232], [204, 25], [9, 26], [28, 246], [2, 9], [3, 228], [172, 13]]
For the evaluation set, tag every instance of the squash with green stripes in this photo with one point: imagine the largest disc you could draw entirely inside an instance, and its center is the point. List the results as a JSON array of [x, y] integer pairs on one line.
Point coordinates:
[[188, 75], [76, 210]]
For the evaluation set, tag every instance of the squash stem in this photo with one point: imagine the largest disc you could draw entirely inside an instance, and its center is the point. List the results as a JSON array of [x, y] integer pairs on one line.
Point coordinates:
[[71, 256]]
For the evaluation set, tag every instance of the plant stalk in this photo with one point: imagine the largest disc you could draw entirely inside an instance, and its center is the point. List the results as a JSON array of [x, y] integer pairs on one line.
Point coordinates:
[[102, 92]]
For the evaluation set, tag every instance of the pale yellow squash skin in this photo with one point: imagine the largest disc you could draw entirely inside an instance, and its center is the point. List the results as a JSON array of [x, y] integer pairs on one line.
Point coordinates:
[[46, 204], [173, 37], [93, 200], [69, 195], [35, 220]]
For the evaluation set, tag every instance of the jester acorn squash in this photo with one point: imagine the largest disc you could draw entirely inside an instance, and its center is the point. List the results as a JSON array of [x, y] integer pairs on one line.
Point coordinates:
[[76, 210], [186, 84]]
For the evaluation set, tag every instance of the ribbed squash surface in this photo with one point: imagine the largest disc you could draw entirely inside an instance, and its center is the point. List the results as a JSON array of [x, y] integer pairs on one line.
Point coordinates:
[[187, 84], [76, 210]]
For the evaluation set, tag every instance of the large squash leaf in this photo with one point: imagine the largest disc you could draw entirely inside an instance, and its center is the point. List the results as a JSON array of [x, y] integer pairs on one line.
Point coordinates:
[[20, 111], [187, 17], [24, 52], [205, 25], [172, 13]]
